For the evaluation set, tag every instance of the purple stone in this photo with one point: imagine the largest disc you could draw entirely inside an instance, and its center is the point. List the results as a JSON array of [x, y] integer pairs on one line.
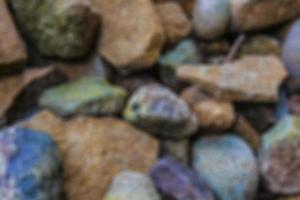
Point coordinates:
[[178, 182]]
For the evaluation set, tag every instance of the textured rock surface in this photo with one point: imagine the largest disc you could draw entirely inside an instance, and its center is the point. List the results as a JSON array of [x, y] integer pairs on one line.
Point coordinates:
[[64, 28], [19, 93], [211, 18], [102, 145], [132, 36], [261, 45], [89, 95], [252, 78], [179, 182], [228, 165], [174, 21], [161, 112], [254, 15], [179, 149], [214, 114], [186, 52], [29, 165], [280, 158], [130, 185], [12, 50], [291, 51]]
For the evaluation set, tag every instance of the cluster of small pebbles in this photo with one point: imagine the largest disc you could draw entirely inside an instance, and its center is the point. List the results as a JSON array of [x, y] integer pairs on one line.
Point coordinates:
[[149, 100]]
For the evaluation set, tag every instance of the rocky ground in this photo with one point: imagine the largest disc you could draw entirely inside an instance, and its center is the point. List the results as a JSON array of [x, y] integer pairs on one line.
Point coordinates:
[[150, 100]]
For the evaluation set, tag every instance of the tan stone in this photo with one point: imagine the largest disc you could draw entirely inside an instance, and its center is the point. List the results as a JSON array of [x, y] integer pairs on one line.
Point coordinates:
[[187, 5], [193, 94], [253, 15], [12, 49], [214, 114], [252, 78], [247, 132], [174, 21], [132, 36], [95, 150], [24, 89]]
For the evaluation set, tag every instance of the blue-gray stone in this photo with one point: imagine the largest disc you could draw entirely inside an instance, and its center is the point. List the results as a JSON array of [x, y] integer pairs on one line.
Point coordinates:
[[228, 165], [29, 165]]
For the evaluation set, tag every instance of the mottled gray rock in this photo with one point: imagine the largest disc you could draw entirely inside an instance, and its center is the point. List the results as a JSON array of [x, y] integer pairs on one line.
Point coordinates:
[[161, 112]]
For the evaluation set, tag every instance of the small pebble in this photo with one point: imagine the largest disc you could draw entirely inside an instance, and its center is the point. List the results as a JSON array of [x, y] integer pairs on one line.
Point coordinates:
[[228, 165], [161, 112], [178, 182], [129, 185]]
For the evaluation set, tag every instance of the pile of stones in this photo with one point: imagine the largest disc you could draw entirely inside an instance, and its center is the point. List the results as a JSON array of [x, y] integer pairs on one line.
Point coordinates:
[[149, 100]]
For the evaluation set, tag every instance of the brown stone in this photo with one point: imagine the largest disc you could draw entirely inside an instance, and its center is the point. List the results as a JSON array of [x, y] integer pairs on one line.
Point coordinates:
[[175, 22], [193, 94], [253, 15], [187, 5], [12, 50], [247, 132], [252, 78], [19, 93], [132, 36], [215, 114], [95, 150]]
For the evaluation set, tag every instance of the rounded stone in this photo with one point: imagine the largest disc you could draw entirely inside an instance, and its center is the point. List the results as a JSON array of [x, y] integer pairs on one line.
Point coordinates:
[[129, 185], [279, 156], [161, 112], [29, 165], [228, 165], [291, 51], [211, 18]]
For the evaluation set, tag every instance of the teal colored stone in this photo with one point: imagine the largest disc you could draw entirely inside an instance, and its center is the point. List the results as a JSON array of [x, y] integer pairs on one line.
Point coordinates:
[[280, 156], [89, 95], [228, 165], [64, 28], [186, 52], [160, 112]]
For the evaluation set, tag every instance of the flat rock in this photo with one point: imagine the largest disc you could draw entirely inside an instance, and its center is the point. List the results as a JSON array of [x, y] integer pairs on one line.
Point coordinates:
[[132, 35], [129, 185], [64, 29], [279, 156], [12, 50], [161, 112], [174, 21], [19, 93], [95, 150], [178, 182], [252, 78], [227, 165], [29, 165], [89, 95], [250, 15]]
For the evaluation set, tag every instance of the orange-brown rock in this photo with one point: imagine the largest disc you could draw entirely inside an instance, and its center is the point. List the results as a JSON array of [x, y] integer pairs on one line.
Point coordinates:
[[187, 5], [252, 78], [20, 92], [132, 35], [253, 15], [175, 22], [214, 114], [12, 50], [95, 150]]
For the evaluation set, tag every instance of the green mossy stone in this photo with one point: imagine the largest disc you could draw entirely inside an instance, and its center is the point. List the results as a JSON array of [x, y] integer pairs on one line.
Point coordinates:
[[64, 28], [89, 95], [186, 52]]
